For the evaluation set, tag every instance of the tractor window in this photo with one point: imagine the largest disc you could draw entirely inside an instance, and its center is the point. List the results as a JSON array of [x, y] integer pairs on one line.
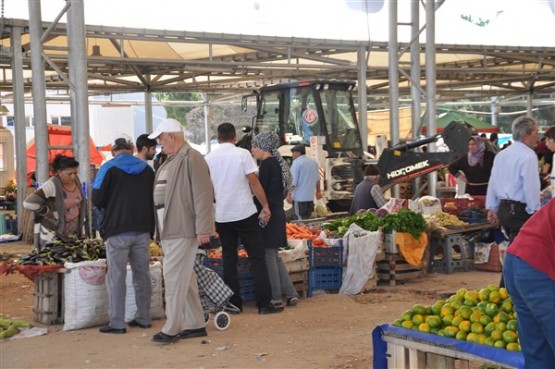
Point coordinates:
[[302, 116], [340, 121], [268, 115]]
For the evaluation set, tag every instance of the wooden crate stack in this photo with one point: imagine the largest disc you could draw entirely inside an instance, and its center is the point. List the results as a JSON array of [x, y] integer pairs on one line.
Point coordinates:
[[49, 297], [393, 267], [298, 274]]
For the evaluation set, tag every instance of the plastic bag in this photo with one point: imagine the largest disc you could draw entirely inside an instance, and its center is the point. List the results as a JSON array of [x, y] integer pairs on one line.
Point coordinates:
[[360, 250], [320, 208], [299, 251], [411, 248], [394, 205]]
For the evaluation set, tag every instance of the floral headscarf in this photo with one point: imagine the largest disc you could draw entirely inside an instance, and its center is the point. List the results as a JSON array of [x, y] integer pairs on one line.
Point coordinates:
[[478, 156], [269, 142]]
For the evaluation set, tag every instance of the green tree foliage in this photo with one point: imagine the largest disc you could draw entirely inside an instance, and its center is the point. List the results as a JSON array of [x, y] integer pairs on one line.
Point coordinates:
[[193, 117], [175, 111], [217, 113]]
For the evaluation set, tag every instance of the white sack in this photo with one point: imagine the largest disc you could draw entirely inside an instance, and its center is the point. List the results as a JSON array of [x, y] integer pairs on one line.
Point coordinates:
[[157, 298], [360, 249], [85, 296]]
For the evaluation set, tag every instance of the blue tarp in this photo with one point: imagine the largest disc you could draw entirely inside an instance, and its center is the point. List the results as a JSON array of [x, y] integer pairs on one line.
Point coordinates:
[[501, 356]]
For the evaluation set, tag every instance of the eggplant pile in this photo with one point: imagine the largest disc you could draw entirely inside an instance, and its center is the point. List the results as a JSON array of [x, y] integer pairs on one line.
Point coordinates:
[[71, 250]]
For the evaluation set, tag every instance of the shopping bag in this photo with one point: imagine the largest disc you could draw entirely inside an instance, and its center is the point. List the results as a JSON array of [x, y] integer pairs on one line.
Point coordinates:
[[320, 208]]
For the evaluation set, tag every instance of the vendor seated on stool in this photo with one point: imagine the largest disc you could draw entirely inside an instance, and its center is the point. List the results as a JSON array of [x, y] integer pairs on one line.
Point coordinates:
[[368, 193]]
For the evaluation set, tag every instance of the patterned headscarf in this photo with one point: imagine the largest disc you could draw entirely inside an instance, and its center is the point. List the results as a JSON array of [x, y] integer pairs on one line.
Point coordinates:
[[269, 142], [478, 156]]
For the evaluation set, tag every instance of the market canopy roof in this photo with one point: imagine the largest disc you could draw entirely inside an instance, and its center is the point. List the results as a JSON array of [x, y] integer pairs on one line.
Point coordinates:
[[445, 118], [141, 59]]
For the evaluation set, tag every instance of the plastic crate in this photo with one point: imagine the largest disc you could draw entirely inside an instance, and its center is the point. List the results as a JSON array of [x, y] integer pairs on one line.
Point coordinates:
[[472, 216], [12, 226], [217, 265], [324, 279], [325, 257], [49, 298], [247, 289], [477, 202], [246, 279], [214, 242], [5, 221]]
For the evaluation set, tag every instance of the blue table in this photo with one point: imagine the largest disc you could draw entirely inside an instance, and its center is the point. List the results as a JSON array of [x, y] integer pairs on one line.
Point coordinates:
[[395, 348]]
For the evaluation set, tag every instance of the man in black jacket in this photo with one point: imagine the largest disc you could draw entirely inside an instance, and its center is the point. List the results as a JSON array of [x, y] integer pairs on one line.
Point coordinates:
[[123, 188]]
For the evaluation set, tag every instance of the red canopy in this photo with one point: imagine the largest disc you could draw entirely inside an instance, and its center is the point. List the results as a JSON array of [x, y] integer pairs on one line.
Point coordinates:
[[59, 136]]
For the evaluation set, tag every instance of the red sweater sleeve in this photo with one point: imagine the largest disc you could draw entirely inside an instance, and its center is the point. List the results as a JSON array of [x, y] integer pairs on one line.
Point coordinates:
[[535, 242]]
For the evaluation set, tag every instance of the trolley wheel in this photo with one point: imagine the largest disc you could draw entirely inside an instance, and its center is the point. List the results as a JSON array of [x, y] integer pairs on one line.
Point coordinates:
[[206, 317], [222, 320]]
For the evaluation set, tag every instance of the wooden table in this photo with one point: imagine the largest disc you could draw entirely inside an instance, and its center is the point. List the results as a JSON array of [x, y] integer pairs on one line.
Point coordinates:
[[447, 238]]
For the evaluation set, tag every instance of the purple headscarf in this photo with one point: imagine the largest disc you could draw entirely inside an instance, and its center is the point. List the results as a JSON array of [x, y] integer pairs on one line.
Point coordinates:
[[478, 157]]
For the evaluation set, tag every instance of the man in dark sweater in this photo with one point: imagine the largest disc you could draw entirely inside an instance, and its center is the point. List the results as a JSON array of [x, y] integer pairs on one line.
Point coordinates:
[[123, 189], [368, 193]]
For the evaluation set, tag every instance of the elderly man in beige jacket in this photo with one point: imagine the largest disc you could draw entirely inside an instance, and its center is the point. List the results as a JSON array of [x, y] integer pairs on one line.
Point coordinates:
[[184, 199]]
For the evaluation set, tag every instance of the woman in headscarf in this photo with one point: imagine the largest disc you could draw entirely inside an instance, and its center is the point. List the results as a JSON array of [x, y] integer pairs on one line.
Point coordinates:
[[474, 168], [275, 178]]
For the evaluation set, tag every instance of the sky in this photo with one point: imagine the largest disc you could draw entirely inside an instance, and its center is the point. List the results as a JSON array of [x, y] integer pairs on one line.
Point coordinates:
[[509, 22]]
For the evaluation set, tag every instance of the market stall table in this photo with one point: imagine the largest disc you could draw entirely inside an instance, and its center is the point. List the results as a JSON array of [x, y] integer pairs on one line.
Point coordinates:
[[447, 239], [402, 348]]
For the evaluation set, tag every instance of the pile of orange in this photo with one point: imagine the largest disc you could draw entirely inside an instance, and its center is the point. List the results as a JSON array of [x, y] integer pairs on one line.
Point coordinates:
[[484, 316]]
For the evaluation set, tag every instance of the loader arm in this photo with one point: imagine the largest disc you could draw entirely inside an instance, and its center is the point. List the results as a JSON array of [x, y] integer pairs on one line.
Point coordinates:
[[399, 164]]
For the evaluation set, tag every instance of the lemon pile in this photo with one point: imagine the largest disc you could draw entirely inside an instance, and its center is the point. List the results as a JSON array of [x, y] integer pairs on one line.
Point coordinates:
[[484, 316]]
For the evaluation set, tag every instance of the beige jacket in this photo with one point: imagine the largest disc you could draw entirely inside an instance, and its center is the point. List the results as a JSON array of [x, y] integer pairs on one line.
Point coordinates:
[[189, 199]]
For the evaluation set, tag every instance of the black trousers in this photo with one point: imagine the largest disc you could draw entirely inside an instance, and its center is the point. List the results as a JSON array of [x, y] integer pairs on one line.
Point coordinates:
[[512, 216], [248, 231]]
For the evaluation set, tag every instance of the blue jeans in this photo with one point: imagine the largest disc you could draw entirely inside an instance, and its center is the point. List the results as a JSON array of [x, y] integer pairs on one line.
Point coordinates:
[[533, 295]]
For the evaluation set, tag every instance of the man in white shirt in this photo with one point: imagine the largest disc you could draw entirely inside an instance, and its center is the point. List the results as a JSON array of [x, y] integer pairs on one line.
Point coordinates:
[[234, 175], [514, 187]]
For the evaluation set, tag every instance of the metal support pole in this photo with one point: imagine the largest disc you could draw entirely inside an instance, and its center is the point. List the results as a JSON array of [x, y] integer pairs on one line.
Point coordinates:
[[148, 111], [39, 91], [207, 133], [415, 76], [393, 82], [19, 114], [362, 97], [415, 69], [494, 106], [431, 86], [80, 101], [529, 103]]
